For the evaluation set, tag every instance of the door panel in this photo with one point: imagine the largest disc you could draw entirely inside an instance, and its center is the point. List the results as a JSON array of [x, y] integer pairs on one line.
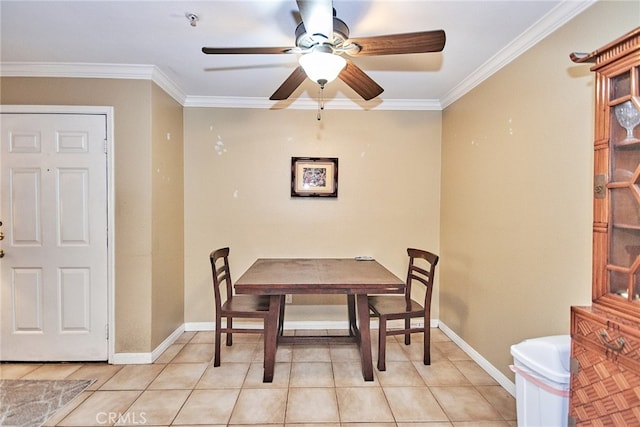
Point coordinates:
[[73, 207], [53, 301], [25, 196], [75, 291], [26, 299]]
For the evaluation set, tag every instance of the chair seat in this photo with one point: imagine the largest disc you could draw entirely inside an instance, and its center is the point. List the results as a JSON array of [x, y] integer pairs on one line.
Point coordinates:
[[383, 305], [246, 304]]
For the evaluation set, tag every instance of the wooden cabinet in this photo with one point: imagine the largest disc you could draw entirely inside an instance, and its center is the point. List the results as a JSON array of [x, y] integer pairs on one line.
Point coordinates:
[[605, 351]]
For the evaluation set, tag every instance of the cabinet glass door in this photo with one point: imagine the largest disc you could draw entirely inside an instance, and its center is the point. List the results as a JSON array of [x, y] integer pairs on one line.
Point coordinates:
[[624, 187]]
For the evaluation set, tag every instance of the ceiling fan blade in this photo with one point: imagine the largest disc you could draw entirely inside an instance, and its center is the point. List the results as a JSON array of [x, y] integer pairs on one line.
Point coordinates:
[[395, 44], [292, 82], [317, 16], [359, 81], [245, 50]]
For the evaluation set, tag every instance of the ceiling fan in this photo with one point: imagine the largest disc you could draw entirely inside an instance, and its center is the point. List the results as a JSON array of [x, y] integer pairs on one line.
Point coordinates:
[[323, 39]]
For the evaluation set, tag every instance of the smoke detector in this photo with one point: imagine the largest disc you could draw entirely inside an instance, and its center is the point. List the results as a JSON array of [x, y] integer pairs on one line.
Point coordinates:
[[193, 18]]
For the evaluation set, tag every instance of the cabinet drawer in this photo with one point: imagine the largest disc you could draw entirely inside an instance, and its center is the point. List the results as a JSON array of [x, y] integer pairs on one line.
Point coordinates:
[[605, 378], [603, 393], [614, 338]]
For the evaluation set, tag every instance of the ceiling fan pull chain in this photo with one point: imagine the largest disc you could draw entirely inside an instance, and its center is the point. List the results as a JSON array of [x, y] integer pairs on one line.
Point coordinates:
[[320, 104]]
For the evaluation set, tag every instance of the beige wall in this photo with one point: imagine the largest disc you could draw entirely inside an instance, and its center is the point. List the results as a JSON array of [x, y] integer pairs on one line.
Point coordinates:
[[516, 191], [142, 115], [389, 190], [167, 220]]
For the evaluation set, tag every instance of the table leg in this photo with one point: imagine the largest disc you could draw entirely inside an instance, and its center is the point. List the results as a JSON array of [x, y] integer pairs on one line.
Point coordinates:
[[365, 336], [281, 316], [351, 308], [271, 326]]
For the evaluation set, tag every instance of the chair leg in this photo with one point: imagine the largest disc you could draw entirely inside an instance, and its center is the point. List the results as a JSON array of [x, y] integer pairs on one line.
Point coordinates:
[[382, 343], [407, 335], [427, 344], [229, 334], [218, 337]]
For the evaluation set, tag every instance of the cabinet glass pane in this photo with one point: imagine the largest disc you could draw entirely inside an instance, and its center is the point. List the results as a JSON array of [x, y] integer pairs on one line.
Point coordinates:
[[625, 208], [636, 288], [625, 123], [626, 248], [624, 257], [621, 85], [624, 163], [619, 284]]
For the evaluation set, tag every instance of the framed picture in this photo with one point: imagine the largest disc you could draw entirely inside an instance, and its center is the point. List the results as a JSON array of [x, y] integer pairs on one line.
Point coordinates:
[[314, 177]]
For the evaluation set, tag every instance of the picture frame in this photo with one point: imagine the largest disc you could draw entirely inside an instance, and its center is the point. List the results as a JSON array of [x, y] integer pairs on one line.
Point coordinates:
[[314, 177]]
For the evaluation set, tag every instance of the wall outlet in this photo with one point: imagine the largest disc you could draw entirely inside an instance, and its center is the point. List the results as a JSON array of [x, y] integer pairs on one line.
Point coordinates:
[[288, 299]]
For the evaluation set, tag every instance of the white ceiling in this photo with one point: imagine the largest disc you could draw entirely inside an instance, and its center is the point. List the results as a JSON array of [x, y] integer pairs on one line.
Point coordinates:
[[153, 39]]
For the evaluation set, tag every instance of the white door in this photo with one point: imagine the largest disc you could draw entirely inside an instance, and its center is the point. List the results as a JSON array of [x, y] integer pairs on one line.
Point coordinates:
[[54, 285]]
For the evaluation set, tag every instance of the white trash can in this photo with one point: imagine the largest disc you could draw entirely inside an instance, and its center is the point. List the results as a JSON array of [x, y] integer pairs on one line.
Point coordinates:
[[542, 381]]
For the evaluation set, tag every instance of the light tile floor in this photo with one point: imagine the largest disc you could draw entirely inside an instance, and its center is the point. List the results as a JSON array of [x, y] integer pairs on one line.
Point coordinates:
[[314, 385]]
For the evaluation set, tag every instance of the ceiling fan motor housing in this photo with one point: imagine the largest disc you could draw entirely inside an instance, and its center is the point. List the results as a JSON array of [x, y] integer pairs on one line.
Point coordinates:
[[306, 41]]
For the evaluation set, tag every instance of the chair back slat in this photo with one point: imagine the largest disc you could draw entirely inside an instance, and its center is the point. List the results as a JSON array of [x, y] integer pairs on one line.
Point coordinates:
[[420, 273], [221, 275]]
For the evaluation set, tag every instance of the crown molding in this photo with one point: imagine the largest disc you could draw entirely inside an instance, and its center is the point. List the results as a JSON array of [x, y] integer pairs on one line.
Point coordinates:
[[168, 85], [153, 73], [546, 25], [76, 70], [311, 104], [93, 71]]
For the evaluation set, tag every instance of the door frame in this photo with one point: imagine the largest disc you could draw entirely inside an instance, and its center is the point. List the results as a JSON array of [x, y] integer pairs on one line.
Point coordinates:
[[108, 113]]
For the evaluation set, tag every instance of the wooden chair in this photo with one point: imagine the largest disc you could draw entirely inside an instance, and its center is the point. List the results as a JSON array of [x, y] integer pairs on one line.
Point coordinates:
[[234, 306], [422, 265]]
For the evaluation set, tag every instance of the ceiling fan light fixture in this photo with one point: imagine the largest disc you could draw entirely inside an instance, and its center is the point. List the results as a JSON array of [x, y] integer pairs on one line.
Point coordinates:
[[322, 67]]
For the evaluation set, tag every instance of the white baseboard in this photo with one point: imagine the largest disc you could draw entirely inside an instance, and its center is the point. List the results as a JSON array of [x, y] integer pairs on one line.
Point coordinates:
[[199, 326], [481, 361], [145, 358], [132, 358]]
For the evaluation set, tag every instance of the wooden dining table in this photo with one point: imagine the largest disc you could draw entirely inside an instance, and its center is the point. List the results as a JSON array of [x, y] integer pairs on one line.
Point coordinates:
[[352, 277]]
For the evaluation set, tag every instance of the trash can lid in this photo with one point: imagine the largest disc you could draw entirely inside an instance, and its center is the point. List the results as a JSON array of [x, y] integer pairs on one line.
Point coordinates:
[[547, 356]]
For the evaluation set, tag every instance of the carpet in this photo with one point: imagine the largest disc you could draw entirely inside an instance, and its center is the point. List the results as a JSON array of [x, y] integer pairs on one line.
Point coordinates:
[[29, 403]]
